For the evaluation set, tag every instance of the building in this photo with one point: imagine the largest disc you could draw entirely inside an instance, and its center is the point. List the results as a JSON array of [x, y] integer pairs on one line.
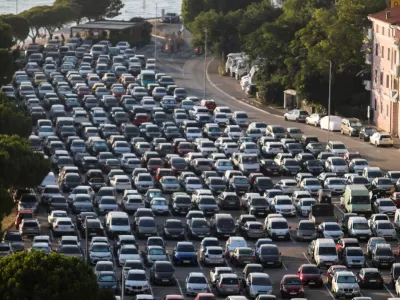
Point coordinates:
[[383, 55], [277, 3]]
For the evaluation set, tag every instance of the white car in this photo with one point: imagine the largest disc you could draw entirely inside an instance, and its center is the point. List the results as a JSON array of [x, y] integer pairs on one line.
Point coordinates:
[[40, 246], [244, 82], [383, 229], [223, 165], [159, 206], [229, 148], [311, 185], [304, 206], [206, 147], [192, 133], [336, 165], [381, 139], [330, 230], [344, 284], [148, 104], [377, 217], [136, 282], [249, 148], [121, 182], [127, 252], [337, 148], [54, 215], [143, 182], [63, 225], [234, 242], [45, 131], [287, 186], [283, 205], [335, 184], [107, 204], [81, 189], [196, 283], [314, 119], [191, 184], [385, 206], [223, 109], [233, 131], [99, 251], [221, 119], [259, 125]]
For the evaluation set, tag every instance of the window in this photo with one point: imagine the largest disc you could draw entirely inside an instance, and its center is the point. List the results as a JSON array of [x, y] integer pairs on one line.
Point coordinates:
[[387, 110], [387, 81], [381, 81], [376, 49], [377, 28], [381, 105], [383, 30], [376, 76], [388, 54], [395, 56], [383, 52], [375, 104], [395, 84]]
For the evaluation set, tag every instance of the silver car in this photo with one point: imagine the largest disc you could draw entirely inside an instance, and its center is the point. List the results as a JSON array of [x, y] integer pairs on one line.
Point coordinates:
[[146, 226], [354, 257], [228, 284], [336, 185], [99, 251], [213, 255], [155, 253], [196, 283], [258, 283], [107, 204]]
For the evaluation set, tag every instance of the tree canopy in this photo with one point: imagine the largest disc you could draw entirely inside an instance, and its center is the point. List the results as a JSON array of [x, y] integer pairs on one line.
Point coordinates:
[[292, 45], [19, 165], [19, 26], [14, 120], [36, 275]]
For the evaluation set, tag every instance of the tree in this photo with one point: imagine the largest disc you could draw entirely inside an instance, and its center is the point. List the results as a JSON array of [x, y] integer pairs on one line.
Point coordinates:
[[19, 165], [56, 16], [6, 37], [36, 18], [36, 275], [190, 10], [19, 26], [7, 66], [14, 120]]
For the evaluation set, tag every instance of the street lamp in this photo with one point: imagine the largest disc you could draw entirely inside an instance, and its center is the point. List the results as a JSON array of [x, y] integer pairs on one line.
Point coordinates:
[[329, 97], [86, 242], [155, 39], [205, 62]]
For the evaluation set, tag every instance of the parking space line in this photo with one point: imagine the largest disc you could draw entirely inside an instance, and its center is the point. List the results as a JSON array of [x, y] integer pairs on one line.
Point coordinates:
[[326, 287], [283, 264], [180, 288], [198, 262], [338, 207], [293, 241]]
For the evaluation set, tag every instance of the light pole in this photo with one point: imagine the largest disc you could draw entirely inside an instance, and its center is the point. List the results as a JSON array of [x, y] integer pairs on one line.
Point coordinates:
[[86, 242], [205, 63], [123, 285], [329, 97], [155, 38]]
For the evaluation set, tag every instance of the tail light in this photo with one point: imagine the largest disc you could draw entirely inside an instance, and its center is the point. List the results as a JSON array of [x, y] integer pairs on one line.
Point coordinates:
[[220, 286], [55, 226]]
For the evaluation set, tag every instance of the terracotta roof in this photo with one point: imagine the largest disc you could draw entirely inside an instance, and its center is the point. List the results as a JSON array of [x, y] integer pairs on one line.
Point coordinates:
[[394, 17]]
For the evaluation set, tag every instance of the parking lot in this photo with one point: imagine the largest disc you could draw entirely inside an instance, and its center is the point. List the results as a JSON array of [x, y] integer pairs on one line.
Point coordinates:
[[293, 252]]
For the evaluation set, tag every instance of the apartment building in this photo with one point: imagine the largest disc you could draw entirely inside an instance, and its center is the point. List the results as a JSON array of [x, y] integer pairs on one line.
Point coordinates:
[[383, 56]]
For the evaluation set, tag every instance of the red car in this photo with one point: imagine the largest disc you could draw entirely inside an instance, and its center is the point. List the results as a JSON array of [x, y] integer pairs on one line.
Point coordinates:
[[291, 286], [184, 147], [118, 91], [333, 270], [205, 296], [173, 297], [82, 91], [153, 164], [163, 172], [140, 118], [210, 104], [310, 275]]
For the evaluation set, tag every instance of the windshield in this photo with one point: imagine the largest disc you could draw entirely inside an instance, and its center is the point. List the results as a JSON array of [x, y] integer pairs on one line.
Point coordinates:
[[100, 248], [307, 226], [354, 252], [147, 223], [107, 278], [197, 279], [200, 224], [156, 252], [279, 225], [346, 279], [360, 226], [332, 227], [120, 221], [129, 250]]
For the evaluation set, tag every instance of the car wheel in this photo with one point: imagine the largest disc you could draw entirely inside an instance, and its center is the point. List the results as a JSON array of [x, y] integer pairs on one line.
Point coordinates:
[[376, 144], [341, 132], [285, 118]]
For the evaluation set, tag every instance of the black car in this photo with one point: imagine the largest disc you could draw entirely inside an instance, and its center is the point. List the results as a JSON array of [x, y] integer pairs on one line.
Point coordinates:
[[173, 229], [181, 203], [268, 255], [91, 228], [314, 167], [261, 184], [269, 167], [366, 132], [162, 272], [369, 277], [382, 256]]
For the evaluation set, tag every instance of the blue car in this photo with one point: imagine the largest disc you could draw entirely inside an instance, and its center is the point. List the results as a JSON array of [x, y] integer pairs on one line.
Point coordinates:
[[184, 253]]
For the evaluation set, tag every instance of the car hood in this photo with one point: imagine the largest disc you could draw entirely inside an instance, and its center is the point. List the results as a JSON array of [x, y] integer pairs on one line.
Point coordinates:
[[347, 285], [100, 254], [267, 257], [198, 286], [174, 230], [165, 275], [201, 230], [185, 254]]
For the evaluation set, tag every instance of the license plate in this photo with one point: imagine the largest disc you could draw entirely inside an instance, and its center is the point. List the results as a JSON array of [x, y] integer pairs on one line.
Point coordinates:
[[348, 294], [186, 261], [384, 264], [174, 235], [270, 263], [311, 283], [229, 290], [372, 280], [281, 237], [92, 233], [246, 261], [293, 293], [165, 280]]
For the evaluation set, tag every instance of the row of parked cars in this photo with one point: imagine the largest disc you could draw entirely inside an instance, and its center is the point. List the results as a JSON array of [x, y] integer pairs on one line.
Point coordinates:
[[209, 158]]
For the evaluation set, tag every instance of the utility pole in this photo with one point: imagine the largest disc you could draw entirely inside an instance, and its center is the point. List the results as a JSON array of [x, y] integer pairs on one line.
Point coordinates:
[[329, 97], [205, 63], [87, 243], [123, 285], [155, 39]]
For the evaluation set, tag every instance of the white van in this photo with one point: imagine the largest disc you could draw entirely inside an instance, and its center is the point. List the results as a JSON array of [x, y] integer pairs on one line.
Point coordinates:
[[230, 61], [325, 253], [358, 228], [117, 223], [278, 229]]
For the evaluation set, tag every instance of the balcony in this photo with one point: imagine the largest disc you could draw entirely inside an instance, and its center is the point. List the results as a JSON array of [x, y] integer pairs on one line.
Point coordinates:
[[367, 84], [368, 59]]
